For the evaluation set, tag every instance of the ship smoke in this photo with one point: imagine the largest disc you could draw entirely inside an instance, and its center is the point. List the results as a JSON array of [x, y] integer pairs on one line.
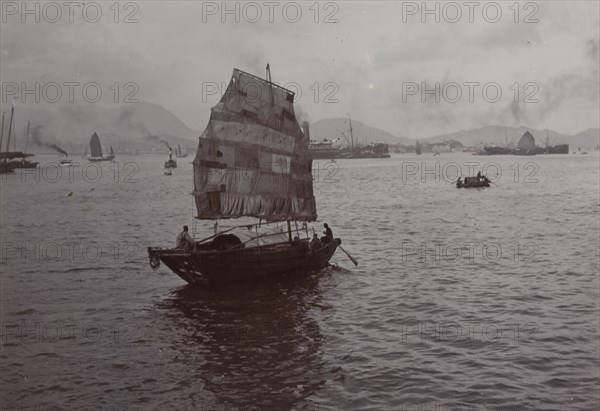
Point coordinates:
[[37, 135], [127, 118]]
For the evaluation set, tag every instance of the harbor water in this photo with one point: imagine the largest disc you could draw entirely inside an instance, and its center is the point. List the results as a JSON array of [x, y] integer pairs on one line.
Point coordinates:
[[463, 299]]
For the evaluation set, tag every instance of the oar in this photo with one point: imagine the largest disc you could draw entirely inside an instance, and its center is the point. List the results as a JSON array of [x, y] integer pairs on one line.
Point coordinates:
[[348, 254]]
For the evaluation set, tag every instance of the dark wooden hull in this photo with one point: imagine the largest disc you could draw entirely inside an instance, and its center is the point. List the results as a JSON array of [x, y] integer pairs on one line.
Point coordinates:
[[27, 164], [523, 152], [99, 159], [244, 264], [479, 184], [6, 168], [330, 154]]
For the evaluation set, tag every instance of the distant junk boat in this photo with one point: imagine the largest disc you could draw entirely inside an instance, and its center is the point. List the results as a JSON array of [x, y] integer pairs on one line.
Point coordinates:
[[252, 161], [96, 151], [525, 146], [170, 163]]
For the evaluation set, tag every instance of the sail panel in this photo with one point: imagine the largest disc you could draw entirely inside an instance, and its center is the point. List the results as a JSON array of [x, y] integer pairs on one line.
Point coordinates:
[[95, 147], [253, 159], [526, 141]]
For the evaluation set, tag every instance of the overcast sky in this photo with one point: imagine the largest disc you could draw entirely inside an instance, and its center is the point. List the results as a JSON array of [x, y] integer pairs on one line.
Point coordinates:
[[367, 64]]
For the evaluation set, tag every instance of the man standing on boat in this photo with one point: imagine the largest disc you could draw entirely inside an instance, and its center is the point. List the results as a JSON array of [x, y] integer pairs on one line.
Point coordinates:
[[183, 239]]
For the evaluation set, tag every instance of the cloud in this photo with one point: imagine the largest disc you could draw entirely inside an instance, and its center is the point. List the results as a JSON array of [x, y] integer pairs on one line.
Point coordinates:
[[368, 54]]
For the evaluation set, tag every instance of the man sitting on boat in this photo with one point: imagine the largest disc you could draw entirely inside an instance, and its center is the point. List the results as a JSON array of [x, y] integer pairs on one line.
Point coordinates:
[[184, 240], [315, 242], [328, 234]]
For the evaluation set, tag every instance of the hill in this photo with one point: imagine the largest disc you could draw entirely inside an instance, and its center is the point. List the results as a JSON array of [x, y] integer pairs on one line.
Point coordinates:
[[134, 127]]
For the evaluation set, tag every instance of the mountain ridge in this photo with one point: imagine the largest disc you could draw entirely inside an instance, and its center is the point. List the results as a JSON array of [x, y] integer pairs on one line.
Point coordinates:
[[134, 127], [149, 126]]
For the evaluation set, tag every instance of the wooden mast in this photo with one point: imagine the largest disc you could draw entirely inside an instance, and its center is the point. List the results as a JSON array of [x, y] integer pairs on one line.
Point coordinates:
[[351, 135], [12, 112], [268, 78], [27, 136], [2, 132]]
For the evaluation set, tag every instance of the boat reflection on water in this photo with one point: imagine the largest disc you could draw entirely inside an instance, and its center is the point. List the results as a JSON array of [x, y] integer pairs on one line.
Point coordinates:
[[251, 346]]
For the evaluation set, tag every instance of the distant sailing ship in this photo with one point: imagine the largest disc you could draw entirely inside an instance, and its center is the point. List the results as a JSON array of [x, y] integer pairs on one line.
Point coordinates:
[[555, 149], [326, 150], [10, 159], [181, 152], [491, 150], [96, 151], [252, 161]]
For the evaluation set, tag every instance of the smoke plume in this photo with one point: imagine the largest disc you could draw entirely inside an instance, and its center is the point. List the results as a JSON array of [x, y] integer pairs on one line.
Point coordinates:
[[38, 137], [127, 118]]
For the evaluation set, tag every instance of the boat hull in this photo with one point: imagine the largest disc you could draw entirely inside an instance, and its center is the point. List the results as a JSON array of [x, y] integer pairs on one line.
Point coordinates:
[[204, 267], [26, 165], [6, 168], [479, 184], [98, 159]]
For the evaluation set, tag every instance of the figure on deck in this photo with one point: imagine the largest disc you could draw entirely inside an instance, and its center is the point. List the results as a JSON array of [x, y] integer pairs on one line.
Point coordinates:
[[328, 234], [184, 240], [315, 242]]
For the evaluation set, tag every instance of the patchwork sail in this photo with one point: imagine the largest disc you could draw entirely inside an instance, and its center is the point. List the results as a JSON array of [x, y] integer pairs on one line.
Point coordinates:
[[253, 158], [252, 161]]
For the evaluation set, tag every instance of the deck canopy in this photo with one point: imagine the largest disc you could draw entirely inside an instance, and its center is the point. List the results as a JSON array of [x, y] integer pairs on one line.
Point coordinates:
[[253, 158]]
